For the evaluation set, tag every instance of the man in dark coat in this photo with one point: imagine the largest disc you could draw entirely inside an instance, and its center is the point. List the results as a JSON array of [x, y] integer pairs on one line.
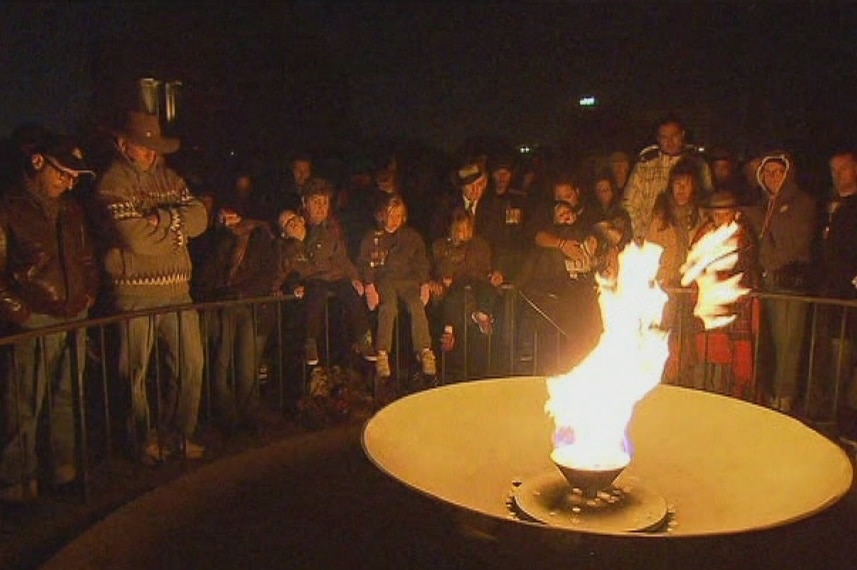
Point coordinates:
[[48, 276]]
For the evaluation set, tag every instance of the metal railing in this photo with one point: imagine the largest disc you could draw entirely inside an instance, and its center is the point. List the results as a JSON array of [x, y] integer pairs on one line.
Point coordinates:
[[826, 368]]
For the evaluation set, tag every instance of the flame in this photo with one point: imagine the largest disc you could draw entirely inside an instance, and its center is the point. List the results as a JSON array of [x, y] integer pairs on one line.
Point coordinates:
[[716, 251], [593, 403]]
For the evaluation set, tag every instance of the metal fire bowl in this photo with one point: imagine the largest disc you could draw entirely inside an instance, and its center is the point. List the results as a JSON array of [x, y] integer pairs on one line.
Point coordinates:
[[722, 465]]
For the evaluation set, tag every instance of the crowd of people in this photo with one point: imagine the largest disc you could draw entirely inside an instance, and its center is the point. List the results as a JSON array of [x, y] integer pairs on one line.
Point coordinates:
[[139, 236]]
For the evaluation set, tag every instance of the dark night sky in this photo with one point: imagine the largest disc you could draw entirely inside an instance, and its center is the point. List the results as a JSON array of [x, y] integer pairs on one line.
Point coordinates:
[[318, 72]]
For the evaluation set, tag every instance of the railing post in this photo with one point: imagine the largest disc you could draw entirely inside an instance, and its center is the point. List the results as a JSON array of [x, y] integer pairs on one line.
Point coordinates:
[[810, 372], [153, 324], [79, 400], [465, 368], [108, 428], [838, 380]]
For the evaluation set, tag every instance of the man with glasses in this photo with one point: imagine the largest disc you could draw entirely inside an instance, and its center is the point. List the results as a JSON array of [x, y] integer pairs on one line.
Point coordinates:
[[784, 221], [48, 277], [150, 216]]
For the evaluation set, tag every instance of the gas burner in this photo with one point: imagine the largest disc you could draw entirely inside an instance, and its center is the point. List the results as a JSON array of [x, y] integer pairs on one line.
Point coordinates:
[[549, 499]]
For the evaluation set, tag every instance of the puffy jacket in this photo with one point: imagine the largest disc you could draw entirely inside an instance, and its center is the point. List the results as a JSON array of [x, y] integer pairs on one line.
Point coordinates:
[[47, 265]]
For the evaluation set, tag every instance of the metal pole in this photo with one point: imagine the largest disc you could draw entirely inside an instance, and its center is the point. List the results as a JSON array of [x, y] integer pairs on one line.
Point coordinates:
[[108, 429], [80, 414]]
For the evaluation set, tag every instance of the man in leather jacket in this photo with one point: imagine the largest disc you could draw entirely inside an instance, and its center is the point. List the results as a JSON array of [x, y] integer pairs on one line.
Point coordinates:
[[48, 276]]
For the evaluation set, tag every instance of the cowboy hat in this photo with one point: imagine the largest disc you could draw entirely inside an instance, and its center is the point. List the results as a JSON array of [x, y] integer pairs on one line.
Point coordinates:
[[143, 129]]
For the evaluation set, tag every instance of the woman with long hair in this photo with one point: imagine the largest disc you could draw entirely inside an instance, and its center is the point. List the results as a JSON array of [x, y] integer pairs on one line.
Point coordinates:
[[676, 217]]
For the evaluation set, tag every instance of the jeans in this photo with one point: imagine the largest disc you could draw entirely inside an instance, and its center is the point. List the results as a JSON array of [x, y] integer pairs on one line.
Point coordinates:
[[38, 376], [179, 334], [786, 321], [390, 291], [238, 344]]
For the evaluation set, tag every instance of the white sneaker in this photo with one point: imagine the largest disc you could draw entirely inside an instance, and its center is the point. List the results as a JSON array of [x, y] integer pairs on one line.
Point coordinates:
[[428, 362], [187, 448], [382, 364]]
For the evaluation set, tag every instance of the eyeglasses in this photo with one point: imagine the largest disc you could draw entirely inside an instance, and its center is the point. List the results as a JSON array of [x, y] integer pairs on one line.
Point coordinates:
[[64, 175]]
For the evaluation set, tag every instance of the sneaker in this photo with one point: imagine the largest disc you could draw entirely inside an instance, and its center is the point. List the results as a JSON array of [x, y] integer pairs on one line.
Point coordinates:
[[366, 348], [185, 447], [447, 340], [311, 352], [484, 321], [428, 362], [382, 364]]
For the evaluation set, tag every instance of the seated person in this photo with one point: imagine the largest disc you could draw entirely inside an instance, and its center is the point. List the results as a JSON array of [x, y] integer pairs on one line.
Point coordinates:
[[567, 189], [294, 263], [560, 282], [330, 271], [394, 266], [460, 260]]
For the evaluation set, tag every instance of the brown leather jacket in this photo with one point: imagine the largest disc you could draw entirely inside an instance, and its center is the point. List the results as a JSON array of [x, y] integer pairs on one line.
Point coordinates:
[[46, 265]]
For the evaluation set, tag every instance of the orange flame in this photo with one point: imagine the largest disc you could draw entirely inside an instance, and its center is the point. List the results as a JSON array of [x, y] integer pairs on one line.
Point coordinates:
[[593, 403], [715, 252]]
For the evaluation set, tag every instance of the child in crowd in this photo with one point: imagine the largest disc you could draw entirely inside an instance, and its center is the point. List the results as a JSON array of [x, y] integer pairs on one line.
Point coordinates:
[[463, 259], [394, 266]]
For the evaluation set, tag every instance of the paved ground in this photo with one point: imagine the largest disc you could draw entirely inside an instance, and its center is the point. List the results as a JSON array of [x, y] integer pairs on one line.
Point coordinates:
[[297, 499]]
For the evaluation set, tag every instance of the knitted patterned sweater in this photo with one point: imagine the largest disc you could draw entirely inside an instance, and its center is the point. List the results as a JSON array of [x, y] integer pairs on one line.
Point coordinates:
[[150, 215]]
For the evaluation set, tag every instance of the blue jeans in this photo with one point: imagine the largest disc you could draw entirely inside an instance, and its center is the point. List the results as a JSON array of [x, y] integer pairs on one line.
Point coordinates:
[[179, 334], [238, 344], [786, 319], [38, 377]]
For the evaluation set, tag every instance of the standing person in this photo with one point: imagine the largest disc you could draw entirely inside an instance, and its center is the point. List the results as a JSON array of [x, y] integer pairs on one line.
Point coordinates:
[[620, 169], [727, 354], [151, 215], [675, 220], [48, 276], [244, 264], [840, 278], [289, 197], [650, 175], [611, 220], [784, 222], [394, 266], [840, 255], [472, 183], [505, 232]]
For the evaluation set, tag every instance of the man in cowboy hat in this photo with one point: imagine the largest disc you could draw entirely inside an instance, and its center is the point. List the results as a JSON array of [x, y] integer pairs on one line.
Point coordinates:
[[49, 277], [151, 214]]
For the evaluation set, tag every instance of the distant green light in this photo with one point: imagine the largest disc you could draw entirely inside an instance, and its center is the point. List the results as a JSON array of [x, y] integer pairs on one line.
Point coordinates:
[[588, 102]]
